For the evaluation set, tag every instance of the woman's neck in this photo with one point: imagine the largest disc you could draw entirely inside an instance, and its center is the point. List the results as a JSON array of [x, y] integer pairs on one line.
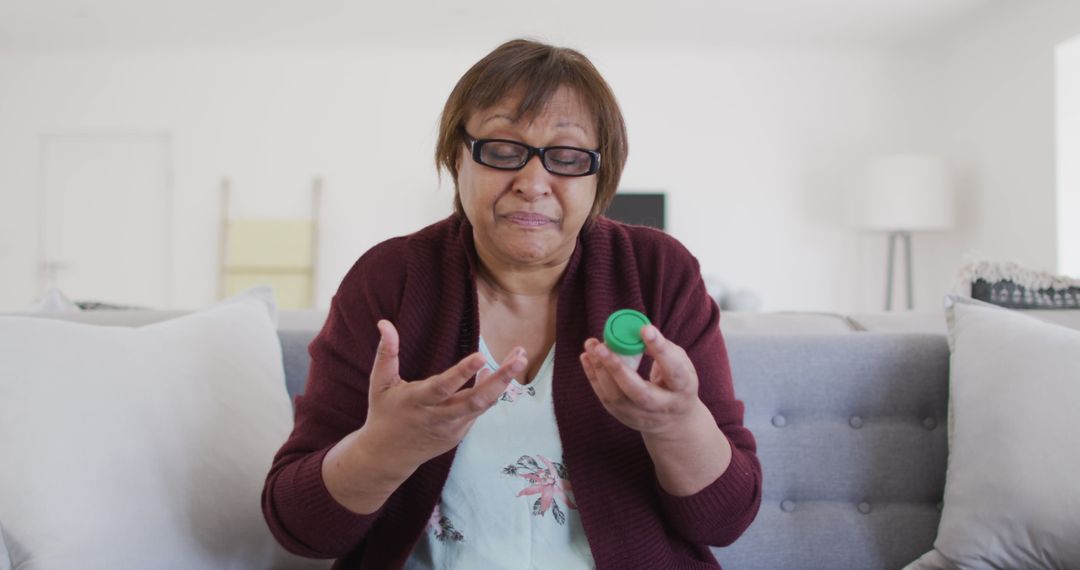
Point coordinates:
[[519, 285], [504, 281]]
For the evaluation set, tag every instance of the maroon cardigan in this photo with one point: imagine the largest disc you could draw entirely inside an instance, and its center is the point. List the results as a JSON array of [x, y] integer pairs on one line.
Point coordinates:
[[425, 284]]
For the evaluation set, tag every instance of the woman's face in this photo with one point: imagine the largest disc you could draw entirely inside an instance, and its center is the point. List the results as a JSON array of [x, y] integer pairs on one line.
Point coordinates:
[[528, 217]]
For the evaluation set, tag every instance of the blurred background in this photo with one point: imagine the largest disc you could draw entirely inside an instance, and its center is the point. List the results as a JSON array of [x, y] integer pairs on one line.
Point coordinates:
[[161, 154]]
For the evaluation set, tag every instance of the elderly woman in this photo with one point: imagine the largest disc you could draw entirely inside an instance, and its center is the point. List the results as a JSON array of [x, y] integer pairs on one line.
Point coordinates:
[[460, 411]]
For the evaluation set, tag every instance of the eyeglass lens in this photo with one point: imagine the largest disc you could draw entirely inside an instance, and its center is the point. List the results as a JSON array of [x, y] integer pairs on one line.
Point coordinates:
[[561, 160]]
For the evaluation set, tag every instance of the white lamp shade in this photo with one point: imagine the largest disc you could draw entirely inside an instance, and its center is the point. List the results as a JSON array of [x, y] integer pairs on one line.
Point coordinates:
[[905, 192]]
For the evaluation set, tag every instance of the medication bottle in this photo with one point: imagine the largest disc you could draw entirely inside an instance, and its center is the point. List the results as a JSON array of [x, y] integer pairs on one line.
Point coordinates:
[[622, 335]]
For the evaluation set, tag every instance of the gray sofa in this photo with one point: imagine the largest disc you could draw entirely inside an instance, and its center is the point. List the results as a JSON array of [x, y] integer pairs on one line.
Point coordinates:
[[850, 425], [849, 414], [852, 440]]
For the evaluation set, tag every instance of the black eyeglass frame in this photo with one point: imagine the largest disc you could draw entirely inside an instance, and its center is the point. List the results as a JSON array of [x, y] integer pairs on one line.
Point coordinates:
[[475, 145]]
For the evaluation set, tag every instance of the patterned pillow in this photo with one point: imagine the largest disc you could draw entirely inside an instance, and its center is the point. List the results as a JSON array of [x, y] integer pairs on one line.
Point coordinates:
[[1006, 293], [1011, 285]]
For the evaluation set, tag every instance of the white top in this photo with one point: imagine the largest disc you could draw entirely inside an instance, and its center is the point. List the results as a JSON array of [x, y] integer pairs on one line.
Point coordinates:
[[507, 502]]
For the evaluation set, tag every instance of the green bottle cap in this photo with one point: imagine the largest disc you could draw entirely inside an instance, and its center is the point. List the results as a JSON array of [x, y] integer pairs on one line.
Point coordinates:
[[622, 332]]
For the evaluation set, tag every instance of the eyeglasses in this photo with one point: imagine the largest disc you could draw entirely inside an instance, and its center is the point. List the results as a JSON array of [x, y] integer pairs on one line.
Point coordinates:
[[513, 155]]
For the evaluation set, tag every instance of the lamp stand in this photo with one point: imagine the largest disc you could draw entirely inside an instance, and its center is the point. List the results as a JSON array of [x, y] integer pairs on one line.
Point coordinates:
[[893, 237]]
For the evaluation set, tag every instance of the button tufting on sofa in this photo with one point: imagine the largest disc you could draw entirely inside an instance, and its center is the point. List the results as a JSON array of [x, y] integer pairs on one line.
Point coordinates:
[[855, 422], [779, 421], [787, 505], [825, 466], [865, 508], [929, 423]]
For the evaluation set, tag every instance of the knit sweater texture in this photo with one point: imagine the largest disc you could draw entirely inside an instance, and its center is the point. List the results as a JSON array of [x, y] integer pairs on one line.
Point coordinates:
[[425, 283]]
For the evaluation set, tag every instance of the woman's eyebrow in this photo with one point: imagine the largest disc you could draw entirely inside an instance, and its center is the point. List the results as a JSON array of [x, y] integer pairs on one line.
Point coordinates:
[[560, 125], [571, 124], [499, 116]]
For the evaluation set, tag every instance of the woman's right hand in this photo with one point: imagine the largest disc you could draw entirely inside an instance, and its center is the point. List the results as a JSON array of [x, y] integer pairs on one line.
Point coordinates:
[[419, 420], [409, 423]]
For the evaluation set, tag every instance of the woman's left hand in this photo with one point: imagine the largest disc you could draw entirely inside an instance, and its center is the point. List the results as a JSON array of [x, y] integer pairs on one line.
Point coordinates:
[[658, 406]]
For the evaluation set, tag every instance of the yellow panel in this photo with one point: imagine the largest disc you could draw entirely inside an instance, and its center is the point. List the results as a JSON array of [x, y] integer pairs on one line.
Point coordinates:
[[292, 291], [269, 244]]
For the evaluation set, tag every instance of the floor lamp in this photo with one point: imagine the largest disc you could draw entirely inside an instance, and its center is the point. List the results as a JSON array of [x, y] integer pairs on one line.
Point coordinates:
[[901, 194]]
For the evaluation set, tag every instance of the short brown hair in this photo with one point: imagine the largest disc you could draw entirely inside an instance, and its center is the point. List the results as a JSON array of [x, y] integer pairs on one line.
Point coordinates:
[[535, 71]]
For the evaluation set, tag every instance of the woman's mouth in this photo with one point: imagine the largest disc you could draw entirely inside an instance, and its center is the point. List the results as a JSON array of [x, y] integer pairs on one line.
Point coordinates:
[[528, 219]]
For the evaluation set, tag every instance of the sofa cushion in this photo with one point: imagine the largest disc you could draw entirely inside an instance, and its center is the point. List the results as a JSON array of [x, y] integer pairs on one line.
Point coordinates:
[[1010, 494], [133, 447], [783, 322], [899, 322], [851, 438]]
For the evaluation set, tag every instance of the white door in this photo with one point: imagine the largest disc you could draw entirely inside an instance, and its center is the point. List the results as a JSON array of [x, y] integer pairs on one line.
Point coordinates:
[[106, 212]]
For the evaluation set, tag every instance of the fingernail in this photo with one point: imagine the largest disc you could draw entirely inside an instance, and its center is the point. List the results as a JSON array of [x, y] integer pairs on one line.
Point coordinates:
[[517, 366], [649, 333], [602, 351]]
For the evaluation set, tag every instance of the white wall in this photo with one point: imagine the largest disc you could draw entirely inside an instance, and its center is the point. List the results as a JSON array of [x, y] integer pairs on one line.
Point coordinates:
[[998, 74], [269, 121], [1068, 147], [753, 148], [757, 149]]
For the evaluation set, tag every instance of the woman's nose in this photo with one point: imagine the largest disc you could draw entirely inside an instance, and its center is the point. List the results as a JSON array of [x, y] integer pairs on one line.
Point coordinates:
[[533, 181]]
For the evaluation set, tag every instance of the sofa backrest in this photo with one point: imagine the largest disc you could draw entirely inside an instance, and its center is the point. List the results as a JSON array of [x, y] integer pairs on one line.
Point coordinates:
[[851, 436], [852, 439], [294, 350]]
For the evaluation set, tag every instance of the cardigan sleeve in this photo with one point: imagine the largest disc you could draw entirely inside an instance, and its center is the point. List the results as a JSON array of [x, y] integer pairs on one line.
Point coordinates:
[[301, 513], [719, 513]]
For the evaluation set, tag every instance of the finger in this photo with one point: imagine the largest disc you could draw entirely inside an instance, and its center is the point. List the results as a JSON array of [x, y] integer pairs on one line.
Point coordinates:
[[607, 394], [587, 364], [512, 365], [602, 382], [587, 367], [590, 343], [438, 388], [384, 370], [487, 390], [605, 386], [679, 373], [612, 372]]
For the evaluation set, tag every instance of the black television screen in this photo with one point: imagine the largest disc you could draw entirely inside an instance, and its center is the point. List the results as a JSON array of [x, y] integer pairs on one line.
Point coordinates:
[[644, 209]]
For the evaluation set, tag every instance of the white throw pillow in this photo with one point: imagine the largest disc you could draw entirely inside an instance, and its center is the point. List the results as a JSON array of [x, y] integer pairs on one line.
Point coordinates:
[[142, 447], [1011, 497]]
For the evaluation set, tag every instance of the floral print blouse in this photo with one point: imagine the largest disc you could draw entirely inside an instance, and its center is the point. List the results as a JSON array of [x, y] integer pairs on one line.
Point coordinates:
[[508, 502]]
